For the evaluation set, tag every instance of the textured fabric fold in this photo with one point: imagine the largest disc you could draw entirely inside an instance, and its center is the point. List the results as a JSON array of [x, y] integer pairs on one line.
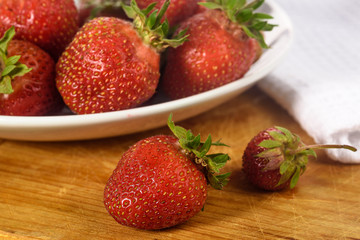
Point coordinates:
[[318, 83]]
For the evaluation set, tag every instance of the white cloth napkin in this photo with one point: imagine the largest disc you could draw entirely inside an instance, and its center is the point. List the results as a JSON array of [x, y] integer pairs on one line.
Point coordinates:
[[318, 83]]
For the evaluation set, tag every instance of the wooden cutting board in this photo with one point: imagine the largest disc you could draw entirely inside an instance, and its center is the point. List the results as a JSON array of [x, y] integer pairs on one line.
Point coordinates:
[[54, 190]]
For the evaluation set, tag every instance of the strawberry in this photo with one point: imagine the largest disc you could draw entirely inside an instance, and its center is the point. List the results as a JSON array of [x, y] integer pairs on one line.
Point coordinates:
[[275, 158], [26, 91], [223, 43], [178, 11], [112, 64], [50, 24], [161, 181]]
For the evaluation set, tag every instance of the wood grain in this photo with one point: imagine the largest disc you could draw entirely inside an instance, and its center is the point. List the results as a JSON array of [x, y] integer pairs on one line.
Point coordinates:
[[55, 190]]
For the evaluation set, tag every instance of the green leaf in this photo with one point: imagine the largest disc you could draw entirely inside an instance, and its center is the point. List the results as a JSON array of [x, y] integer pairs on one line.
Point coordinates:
[[195, 143], [218, 161], [162, 12], [12, 60], [239, 4], [287, 133], [130, 13], [270, 153], [270, 144], [7, 70], [151, 20], [278, 136], [258, 26], [284, 167], [4, 41], [179, 132], [5, 85], [149, 8], [206, 146], [309, 152], [286, 175], [218, 143], [219, 181], [244, 15], [213, 162], [262, 16], [9, 65], [255, 4], [248, 32], [295, 177]]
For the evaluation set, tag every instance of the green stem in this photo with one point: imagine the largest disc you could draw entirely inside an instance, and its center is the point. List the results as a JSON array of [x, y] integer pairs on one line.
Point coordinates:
[[326, 146]]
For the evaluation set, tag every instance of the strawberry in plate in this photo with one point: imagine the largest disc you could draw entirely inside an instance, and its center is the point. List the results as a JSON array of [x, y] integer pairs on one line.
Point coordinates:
[[50, 24], [113, 64], [162, 181], [223, 43], [27, 86]]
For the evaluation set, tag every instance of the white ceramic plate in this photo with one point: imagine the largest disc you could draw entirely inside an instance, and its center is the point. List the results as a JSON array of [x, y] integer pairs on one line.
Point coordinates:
[[156, 112]]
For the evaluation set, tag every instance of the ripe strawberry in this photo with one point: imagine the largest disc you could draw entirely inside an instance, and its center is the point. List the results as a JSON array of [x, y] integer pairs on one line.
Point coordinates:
[[222, 45], [275, 158], [24, 91], [178, 11], [161, 181], [112, 64], [50, 24]]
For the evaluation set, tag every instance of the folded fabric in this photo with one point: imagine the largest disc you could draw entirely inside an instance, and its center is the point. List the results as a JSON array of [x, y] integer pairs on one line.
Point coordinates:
[[318, 83]]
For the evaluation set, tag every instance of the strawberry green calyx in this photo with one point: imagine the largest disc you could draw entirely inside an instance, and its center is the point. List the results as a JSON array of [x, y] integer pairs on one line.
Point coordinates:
[[212, 163], [148, 22], [9, 66], [238, 11], [286, 152]]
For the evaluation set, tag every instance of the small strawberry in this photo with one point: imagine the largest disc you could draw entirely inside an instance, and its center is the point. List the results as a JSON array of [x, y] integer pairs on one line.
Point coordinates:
[[223, 43], [50, 24], [161, 181], [26, 91], [112, 64], [275, 158], [178, 11]]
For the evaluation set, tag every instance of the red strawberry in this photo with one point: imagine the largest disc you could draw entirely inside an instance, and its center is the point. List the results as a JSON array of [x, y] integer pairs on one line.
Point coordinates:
[[112, 64], [221, 48], [50, 24], [161, 181], [178, 11], [275, 158], [24, 91]]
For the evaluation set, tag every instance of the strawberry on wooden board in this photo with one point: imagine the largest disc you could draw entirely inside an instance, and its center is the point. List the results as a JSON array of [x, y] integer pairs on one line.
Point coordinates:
[[223, 43], [275, 158], [178, 11], [27, 86], [113, 64], [161, 181], [50, 24]]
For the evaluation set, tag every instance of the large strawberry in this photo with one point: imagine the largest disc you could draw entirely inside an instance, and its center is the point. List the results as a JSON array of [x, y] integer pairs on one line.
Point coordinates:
[[178, 11], [50, 24], [275, 158], [27, 86], [161, 181], [223, 43], [112, 64]]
